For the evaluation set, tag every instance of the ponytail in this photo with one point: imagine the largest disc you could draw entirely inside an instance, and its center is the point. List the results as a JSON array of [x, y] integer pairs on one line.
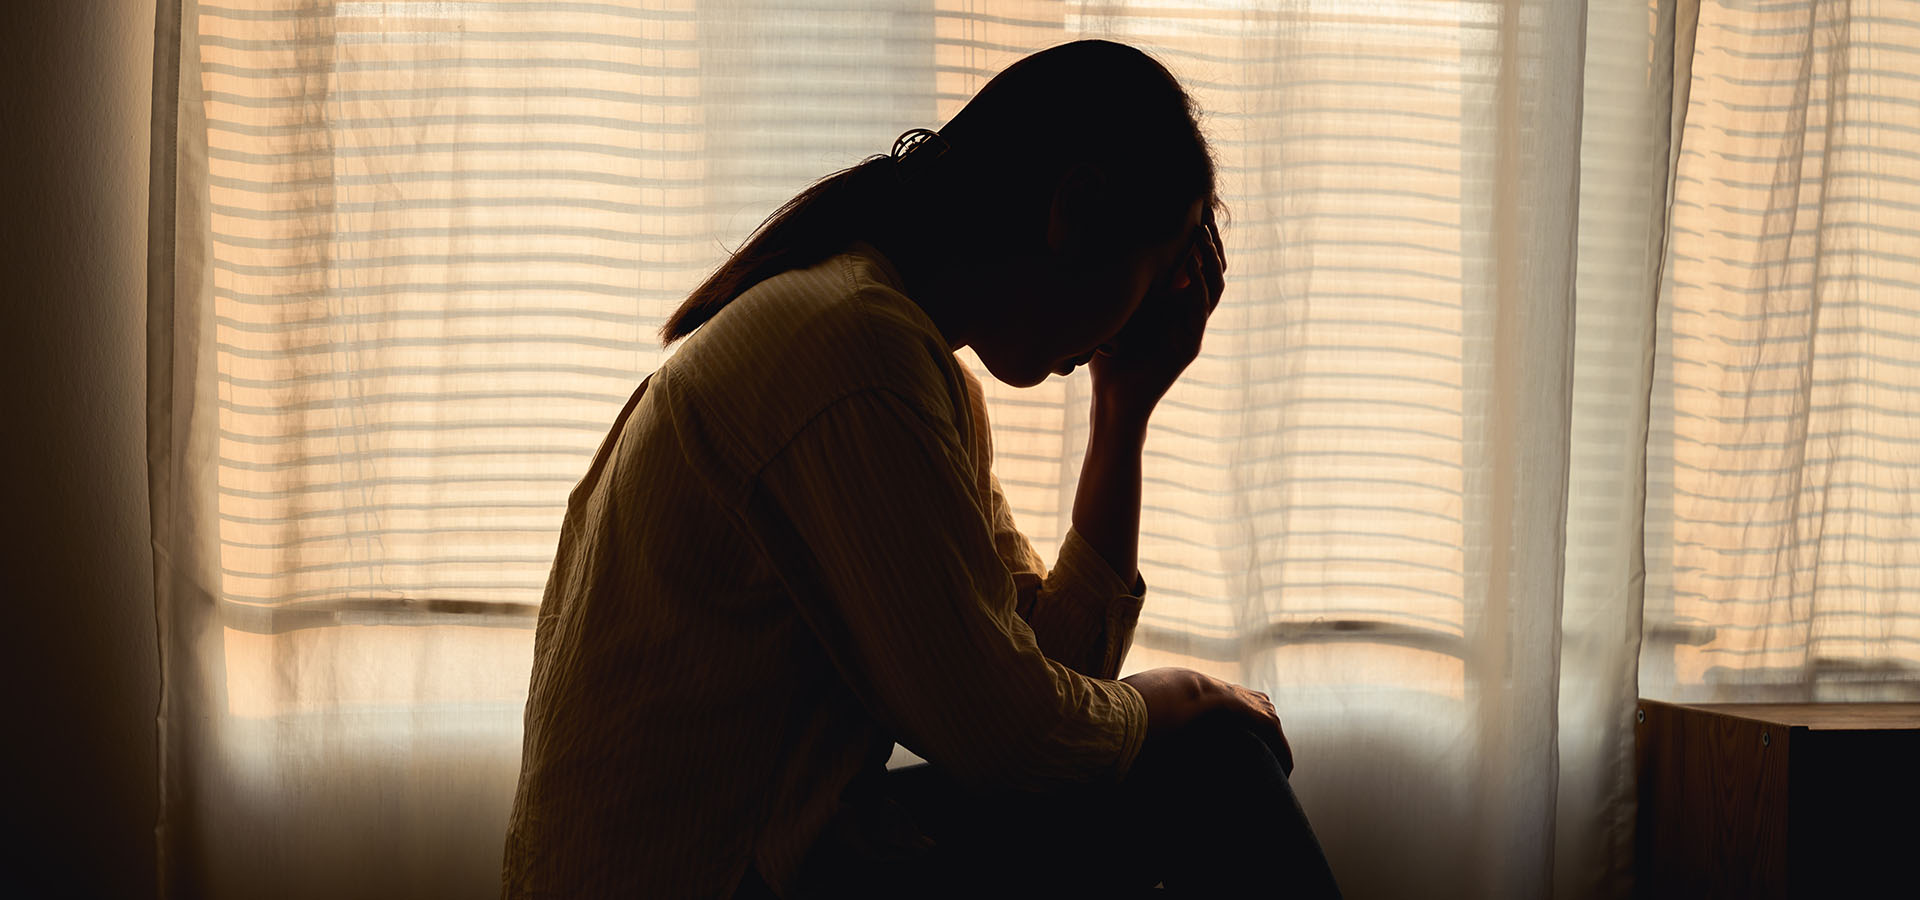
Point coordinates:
[[817, 223]]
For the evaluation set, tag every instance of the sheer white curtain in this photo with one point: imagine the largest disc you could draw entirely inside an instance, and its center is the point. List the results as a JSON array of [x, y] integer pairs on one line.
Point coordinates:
[[1783, 533], [411, 257]]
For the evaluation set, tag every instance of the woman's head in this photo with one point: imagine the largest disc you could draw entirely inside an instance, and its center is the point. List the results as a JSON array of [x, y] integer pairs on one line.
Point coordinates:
[[1106, 119], [1071, 182], [1088, 176]]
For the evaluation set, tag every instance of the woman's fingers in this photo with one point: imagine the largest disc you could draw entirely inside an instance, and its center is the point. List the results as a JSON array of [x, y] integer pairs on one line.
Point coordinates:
[[1219, 243], [1213, 268], [1267, 720], [1176, 698], [1189, 301]]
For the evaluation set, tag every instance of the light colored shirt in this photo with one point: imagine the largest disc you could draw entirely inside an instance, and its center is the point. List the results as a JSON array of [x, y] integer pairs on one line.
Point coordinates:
[[789, 553]]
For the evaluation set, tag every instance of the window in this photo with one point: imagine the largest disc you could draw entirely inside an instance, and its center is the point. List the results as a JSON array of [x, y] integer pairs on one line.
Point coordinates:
[[1782, 530], [447, 232]]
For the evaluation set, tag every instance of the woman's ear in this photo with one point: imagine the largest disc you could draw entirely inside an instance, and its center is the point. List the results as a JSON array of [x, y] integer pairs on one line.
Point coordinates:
[[1078, 199]]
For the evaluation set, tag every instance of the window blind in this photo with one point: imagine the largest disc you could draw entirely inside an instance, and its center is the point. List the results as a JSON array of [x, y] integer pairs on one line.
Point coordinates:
[[1783, 543], [445, 234]]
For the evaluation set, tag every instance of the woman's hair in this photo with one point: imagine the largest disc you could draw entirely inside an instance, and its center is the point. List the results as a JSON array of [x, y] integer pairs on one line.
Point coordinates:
[[1099, 104]]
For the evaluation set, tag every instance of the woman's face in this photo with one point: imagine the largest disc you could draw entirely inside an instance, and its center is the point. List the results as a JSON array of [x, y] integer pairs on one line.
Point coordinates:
[[1055, 312]]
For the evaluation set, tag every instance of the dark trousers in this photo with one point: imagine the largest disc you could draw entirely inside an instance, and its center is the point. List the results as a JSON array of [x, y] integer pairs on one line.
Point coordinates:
[[1208, 813]]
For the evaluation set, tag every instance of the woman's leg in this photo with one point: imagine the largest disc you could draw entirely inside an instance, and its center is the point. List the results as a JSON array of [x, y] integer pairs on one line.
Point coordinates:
[[1232, 825], [1209, 812]]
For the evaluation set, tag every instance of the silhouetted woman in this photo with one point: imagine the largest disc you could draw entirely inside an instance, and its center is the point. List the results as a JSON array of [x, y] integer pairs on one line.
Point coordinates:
[[790, 551]]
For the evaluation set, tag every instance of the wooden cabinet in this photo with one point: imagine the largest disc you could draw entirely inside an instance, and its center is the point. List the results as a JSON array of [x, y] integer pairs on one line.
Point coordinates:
[[1744, 800]]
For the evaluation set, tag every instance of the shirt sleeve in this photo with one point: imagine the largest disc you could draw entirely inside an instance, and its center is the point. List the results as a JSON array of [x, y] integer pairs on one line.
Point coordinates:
[[1082, 613], [871, 516]]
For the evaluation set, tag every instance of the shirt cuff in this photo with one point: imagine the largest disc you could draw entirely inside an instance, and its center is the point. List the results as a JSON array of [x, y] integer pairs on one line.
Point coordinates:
[[1136, 727], [1083, 565], [1103, 605]]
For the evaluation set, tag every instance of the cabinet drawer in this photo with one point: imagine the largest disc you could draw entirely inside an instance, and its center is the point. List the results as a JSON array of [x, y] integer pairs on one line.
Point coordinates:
[[1777, 800]]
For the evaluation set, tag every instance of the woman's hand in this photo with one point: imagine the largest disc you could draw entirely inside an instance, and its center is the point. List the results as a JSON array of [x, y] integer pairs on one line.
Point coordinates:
[[1163, 337], [1176, 698]]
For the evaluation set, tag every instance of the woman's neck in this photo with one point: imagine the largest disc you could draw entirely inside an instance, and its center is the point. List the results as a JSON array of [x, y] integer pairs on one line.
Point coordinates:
[[936, 278]]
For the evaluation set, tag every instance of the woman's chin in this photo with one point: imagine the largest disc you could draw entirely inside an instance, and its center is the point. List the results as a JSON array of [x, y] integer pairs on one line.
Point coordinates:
[[1015, 374]]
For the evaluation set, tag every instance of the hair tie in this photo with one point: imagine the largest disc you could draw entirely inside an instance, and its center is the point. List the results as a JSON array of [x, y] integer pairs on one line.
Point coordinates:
[[914, 149]]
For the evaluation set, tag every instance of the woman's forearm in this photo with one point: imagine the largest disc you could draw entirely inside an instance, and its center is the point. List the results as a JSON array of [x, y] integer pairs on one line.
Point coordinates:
[[1106, 504]]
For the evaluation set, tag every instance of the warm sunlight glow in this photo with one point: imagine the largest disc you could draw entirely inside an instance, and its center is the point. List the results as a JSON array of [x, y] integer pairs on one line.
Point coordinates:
[[374, 669]]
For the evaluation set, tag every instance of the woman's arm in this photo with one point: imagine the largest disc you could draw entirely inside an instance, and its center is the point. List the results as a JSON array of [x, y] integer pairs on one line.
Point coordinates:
[[1148, 355], [1081, 609], [1106, 503], [871, 518]]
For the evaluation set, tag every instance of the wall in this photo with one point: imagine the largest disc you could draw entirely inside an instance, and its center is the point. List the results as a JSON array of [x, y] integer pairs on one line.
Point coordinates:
[[75, 569]]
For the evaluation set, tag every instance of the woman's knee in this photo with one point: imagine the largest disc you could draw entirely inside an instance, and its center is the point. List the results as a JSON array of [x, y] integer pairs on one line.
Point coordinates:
[[1219, 748], [1226, 798]]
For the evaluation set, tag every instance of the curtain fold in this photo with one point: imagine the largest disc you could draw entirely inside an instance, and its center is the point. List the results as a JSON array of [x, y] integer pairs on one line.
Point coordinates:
[[415, 254], [185, 551], [1636, 56]]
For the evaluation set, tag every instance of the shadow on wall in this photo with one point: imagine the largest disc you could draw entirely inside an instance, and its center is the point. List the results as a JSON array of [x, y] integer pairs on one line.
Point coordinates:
[[76, 577], [421, 815]]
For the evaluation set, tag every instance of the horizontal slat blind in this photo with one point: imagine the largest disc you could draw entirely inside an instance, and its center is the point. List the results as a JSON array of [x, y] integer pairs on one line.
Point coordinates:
[[445, 236], [446, 233], [1783, 537]]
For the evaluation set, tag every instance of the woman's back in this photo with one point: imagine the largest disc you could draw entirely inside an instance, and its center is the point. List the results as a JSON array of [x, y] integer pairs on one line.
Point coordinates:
[[683, 709]]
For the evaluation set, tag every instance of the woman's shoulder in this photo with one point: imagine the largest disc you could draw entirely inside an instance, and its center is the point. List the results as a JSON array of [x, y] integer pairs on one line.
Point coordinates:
[[802, 340], [847, 299], [843, 318]]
